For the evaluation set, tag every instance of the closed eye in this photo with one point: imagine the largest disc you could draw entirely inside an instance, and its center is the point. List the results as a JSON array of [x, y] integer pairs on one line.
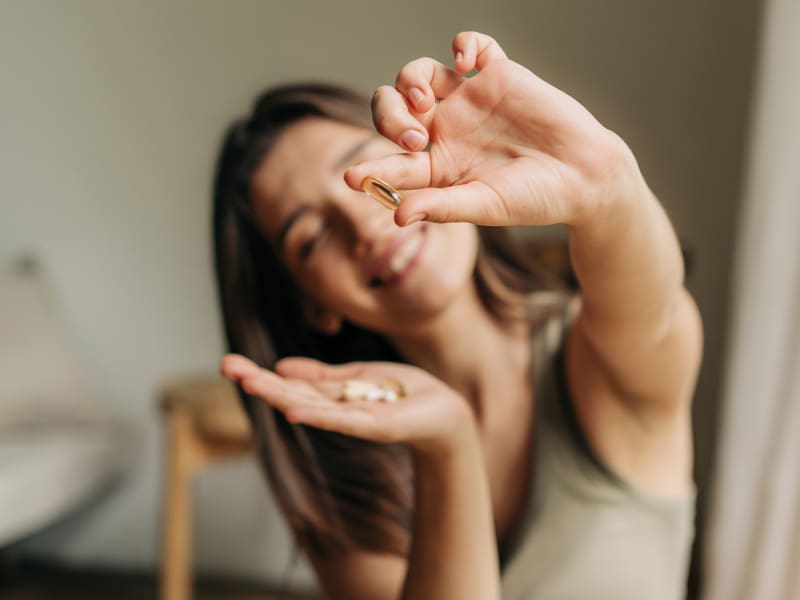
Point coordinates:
[[312, 237]]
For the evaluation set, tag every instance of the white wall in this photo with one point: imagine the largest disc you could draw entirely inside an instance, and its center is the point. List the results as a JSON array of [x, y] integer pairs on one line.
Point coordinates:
[[753, 547], [110, 114]]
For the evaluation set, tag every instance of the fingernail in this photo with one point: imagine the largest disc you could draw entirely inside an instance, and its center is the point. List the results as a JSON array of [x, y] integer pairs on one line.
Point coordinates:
[[417, 95], [415, 219], [412, 139], [459, 56]]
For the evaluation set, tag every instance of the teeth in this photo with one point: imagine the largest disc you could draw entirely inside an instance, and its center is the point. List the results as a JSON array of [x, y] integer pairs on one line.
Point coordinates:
[[401, 259]]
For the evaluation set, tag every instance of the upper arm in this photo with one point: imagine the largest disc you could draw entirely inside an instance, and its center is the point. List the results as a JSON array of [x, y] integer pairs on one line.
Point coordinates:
[[652, 372], [360, 575], [632, 395]]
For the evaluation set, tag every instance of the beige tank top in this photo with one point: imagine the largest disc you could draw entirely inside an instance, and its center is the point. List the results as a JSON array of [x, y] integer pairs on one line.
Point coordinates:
[[587, 533]]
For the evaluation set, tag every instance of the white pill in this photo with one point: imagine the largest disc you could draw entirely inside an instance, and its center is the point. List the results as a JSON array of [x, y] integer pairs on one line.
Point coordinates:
[[374, 395]]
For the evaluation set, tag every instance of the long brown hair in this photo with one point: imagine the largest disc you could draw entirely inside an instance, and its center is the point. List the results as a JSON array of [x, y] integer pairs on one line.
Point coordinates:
[[336, 491]]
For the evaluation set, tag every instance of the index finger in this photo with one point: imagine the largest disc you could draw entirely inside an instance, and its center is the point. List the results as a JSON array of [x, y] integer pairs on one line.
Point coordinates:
[[402, 171], [319, 373], [236, 367]]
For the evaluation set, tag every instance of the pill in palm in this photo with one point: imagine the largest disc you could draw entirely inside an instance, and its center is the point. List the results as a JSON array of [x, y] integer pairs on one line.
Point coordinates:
[[389, 391], [375, 394], [354, 389]]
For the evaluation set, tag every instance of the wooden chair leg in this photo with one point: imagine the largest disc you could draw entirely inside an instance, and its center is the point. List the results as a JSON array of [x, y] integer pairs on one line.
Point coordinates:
[[176, 572]]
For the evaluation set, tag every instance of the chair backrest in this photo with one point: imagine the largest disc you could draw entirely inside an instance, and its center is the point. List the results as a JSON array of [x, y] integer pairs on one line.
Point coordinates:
[[40, 376]]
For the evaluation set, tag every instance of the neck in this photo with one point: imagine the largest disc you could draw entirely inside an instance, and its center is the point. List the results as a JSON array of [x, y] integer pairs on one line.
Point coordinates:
[[467, 348]]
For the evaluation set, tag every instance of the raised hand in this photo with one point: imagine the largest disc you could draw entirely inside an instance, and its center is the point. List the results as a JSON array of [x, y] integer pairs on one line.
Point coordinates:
[[431, 417], [503, 147]]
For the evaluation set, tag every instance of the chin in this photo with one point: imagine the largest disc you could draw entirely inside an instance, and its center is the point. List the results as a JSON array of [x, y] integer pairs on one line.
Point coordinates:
[[432, 290]]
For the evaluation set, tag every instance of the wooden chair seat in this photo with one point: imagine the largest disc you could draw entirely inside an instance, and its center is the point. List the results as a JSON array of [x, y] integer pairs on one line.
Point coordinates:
[[212, 404]]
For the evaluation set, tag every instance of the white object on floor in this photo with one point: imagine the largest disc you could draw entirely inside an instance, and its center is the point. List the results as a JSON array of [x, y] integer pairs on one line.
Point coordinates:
[[58, 446]]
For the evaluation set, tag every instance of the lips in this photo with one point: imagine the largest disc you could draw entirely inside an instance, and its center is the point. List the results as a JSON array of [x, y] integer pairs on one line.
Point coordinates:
[[397, 258]]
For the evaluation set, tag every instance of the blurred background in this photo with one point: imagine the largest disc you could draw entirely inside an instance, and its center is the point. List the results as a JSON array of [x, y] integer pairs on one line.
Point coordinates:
[[111, 114]]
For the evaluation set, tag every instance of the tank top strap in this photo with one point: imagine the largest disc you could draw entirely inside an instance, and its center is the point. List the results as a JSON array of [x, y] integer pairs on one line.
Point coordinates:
[[552, 313]]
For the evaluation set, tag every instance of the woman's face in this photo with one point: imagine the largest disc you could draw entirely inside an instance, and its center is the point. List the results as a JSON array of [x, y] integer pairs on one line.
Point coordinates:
[[342, 247]]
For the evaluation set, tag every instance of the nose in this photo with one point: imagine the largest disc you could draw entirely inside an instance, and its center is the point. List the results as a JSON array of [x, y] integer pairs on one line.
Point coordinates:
[[368, 222]]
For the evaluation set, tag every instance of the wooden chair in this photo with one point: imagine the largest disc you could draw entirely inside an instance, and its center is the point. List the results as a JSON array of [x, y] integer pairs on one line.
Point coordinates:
[[205, 424]]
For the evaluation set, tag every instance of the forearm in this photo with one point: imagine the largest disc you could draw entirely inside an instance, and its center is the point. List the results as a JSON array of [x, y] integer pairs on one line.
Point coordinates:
[[454, 551], [629, 266]]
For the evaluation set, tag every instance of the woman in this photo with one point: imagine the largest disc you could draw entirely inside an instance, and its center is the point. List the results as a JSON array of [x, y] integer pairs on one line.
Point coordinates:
[[553, 436]]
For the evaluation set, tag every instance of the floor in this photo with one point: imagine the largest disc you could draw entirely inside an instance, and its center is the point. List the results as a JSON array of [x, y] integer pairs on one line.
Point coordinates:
[[39, 582]]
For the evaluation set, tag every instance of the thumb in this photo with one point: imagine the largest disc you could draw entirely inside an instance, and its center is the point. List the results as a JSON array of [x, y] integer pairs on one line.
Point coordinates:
[[473, 202]]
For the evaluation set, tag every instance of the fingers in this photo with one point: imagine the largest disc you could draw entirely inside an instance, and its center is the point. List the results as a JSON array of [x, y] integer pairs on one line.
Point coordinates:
[[236, 367], [402, 171], [316, 371], [473, 202], [423, 81], [260, 382], [402, 113], [283, 393], [394, 120], [474, 50]]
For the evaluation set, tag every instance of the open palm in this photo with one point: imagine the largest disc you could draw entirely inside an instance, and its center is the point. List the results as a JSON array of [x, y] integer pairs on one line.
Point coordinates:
[[310, 392]]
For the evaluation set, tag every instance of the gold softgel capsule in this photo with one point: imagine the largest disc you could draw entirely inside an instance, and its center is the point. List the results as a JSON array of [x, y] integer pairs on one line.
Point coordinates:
[[382, 192]]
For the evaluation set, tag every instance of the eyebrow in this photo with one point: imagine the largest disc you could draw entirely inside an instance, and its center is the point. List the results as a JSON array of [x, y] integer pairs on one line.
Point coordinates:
[[343, 162]]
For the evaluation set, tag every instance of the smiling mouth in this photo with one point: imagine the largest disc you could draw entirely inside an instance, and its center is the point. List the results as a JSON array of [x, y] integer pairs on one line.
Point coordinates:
[[399, 264]]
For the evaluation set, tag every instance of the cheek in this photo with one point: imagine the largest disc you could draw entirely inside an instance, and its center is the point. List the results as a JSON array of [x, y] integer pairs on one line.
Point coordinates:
[[334, 282]]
